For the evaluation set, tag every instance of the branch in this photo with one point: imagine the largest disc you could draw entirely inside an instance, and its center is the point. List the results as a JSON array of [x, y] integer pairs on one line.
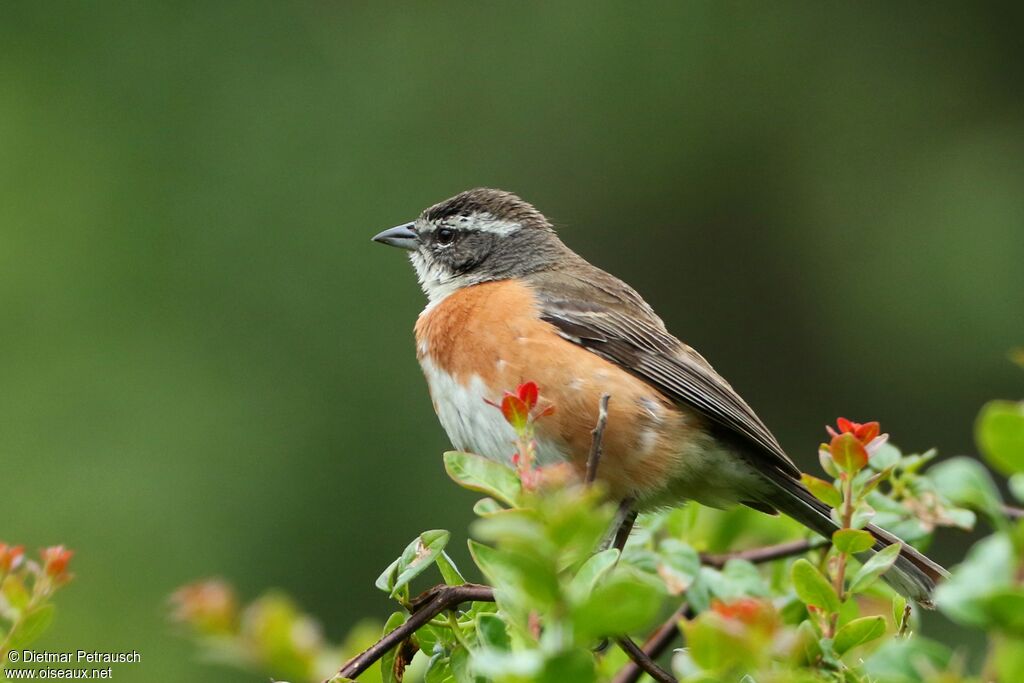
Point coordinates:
[[763, 554], [597, 436], [426, 607], [655, 645], [1012, 512], [642, 661]]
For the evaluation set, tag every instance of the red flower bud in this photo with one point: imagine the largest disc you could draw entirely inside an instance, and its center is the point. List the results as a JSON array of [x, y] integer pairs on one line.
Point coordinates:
[[864, 433], [10, 557], [208, 606], [528, 393], [748, 611], [55, 561]]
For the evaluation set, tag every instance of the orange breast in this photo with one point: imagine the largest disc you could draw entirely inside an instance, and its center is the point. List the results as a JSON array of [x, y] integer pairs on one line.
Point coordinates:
[[491, 335]]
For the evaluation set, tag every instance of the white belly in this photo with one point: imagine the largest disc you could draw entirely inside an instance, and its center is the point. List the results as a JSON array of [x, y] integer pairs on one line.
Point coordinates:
[[473, 424]]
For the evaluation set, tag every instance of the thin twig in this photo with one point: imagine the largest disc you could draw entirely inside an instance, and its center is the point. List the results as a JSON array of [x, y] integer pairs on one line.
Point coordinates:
[[433, 602], [643, 661], [655, 644], [596, 439], [626, 525], [1012, 512], [764, 554]]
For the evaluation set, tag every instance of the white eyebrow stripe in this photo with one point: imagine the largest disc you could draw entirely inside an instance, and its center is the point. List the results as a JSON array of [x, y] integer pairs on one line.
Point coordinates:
[[487, 223]]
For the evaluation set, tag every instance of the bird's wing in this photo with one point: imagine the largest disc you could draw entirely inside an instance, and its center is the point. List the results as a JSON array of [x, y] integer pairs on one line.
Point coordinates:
[[602, 315]]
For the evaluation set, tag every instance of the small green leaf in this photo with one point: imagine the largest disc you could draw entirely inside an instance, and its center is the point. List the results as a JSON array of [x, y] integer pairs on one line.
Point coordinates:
[[386, 580], [989, 567], [899, 608], [387, 662], [848, 453], [521, 576], [619, 605], [812, 587], [852, 541], [492, 632], [967, 483], [592, 571], [31, 627], [1006, 610], [419, 555], [678, 565], [1000, 435], [449, 572], [460, 666], [884, 457], [1017, 486], [858, 632], [486, 507], [823, 490], [879, 563], [15, 592], [477, 473], [862, 515]]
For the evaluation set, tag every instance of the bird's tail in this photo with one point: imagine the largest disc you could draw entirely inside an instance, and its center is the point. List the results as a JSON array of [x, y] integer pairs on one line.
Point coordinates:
[[913, 575]]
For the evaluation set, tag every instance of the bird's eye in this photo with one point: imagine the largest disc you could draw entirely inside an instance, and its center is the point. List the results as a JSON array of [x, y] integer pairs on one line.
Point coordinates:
[[444, 236]]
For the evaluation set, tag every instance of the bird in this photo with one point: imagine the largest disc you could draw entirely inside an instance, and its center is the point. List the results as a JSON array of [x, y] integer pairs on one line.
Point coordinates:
[[508, 301]]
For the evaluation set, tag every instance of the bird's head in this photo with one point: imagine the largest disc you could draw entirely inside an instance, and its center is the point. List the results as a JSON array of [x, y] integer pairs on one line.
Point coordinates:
[[476, 236]]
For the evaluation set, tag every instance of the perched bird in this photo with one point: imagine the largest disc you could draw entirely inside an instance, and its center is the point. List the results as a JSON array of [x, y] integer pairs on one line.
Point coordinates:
[[508, 302]]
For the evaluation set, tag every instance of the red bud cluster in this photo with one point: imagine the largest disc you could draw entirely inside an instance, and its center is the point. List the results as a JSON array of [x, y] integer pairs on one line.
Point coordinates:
[[851, 445]]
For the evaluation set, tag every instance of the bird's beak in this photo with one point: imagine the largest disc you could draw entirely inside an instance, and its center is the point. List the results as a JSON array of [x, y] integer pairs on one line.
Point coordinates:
[[401, 236]]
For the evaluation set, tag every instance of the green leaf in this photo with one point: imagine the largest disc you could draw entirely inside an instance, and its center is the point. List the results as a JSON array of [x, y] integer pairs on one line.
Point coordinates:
[[999, 432], [439, 670], [486, 507], [988, 568], [522, 577], [386, 580], [1006, 610], [848, 453], [576, 666], [902, 660], [492, 632], [899, 609], [678, 565], [879, 563], [592, 571], [477, 473], [15, 592], [884, 457], [812, 587], [387, 662], [460, 666], [852, 541], [623, 603], [419, 555], [449, 572], [858, 632], [862, 515], [32, 626], [967, 483], [823, 490], [1017, 486]]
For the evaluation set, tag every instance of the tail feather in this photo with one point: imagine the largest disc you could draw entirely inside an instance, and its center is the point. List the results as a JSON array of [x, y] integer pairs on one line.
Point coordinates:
[[913, 575]]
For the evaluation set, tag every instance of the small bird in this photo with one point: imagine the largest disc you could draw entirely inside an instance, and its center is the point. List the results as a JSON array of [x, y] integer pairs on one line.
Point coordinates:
[[509, 302]]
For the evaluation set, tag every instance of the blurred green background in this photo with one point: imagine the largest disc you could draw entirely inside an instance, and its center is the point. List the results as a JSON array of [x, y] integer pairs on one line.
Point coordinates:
[[207, 368]]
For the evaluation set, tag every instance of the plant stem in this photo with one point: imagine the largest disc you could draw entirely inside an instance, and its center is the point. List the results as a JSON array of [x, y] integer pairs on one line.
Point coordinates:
[[840, 578]]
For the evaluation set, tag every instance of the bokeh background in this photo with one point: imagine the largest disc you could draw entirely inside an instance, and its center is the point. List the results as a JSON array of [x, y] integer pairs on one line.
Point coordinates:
[[207, 368]]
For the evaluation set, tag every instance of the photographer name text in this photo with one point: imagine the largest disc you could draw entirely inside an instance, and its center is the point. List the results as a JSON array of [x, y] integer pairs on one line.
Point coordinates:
[[74, 657]]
